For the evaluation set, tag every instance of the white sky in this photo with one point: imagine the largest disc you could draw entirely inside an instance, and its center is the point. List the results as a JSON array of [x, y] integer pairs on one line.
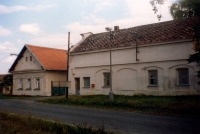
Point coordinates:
[[47, 22]]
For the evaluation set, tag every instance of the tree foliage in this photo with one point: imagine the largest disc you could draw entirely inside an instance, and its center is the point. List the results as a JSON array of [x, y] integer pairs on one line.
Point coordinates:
[[185, 9], [154, 4], [8, 80]]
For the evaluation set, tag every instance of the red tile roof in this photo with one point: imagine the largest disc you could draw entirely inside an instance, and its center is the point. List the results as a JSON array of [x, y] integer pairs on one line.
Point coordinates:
[[49, 58], [146, 34]]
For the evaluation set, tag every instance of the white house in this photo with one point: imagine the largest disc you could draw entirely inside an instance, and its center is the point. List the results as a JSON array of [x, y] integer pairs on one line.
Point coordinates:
[[148, 59], [35, 68]]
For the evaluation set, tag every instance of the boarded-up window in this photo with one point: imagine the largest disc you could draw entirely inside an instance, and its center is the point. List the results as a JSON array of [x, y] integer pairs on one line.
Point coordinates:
[[183, 76]]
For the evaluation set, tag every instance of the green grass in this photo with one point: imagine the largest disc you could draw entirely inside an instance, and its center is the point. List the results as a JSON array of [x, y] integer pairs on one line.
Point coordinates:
[[15, 124], [182, 106], [6, 96]]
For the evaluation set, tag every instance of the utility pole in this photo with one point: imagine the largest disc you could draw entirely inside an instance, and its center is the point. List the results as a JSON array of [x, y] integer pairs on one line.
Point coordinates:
[[112, 34], [68, 52]]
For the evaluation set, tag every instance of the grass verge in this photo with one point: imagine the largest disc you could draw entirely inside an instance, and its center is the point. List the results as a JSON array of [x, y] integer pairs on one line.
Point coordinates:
[[15, 124], [182, 106], [7, 96]]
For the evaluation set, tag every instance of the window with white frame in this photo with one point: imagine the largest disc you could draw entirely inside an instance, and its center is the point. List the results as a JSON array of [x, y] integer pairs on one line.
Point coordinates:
[[153, 77], [37, 83], [86, 81], [106, 79], [20, 83], [28, 83], [183, 76]]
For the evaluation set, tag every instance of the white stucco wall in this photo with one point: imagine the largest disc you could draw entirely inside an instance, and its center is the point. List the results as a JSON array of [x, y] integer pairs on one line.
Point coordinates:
[[46, 77], [54, 76], [27, 65], [29, 75], [130, 76]]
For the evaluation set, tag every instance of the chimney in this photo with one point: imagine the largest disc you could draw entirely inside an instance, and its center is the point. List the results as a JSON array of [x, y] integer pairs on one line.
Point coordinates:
[[116, 28], [85, 35]]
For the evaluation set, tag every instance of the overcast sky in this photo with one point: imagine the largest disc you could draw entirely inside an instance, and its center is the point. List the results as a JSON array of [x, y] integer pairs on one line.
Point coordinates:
[[47, 22]]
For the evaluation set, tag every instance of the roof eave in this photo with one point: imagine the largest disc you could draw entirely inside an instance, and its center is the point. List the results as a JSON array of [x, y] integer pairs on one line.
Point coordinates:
[[127, 47], [16, 60]]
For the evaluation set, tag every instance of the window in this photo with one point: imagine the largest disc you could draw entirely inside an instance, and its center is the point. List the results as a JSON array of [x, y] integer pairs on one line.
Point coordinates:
[[38, 83], [183, 76], [28, 83], [26, 59], [20, 83], [153, 77], [86, 81], [106, 79], [30, 58]]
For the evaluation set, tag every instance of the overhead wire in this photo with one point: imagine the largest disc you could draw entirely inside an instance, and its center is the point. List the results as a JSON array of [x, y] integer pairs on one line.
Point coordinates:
[[6, 52]]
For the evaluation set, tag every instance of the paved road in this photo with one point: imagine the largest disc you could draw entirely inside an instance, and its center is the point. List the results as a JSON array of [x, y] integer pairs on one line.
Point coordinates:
[[119, 122]]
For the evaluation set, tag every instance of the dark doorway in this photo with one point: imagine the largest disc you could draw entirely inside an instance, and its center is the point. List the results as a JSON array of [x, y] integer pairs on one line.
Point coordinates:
[[77, 86]]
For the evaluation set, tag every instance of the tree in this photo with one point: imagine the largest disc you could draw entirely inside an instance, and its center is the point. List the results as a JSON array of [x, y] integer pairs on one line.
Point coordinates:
[[185, 9], [8, 81], [154, 4]]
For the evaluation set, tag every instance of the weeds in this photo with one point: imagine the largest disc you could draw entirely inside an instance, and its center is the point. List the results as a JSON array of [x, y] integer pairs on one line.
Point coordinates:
[[183, 106], [15, 124], [9, 96]]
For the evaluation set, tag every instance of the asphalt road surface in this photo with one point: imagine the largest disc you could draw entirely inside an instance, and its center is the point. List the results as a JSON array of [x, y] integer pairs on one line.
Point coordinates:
[[118, 122]]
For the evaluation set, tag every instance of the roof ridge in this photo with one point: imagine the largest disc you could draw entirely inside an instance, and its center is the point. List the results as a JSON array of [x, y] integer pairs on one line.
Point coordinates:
[[173, 21], [46, 47], [178, 20]]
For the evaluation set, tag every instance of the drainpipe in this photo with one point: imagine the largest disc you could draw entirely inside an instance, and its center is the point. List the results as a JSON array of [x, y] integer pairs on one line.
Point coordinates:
[[136, 44]]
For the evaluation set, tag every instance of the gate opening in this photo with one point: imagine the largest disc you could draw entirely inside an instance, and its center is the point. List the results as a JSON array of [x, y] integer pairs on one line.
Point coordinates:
[[58, 88]]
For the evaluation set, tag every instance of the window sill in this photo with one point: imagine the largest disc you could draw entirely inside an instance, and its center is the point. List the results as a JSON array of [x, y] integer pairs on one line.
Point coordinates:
[[105, 86], [36, 89], [187, 85], [20, 89], [152, 86], [28, 89], [87, 87]]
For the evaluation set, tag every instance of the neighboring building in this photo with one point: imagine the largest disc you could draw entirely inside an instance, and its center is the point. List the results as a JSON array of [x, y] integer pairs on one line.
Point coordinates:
[[3, 89], [158, 68], [36, 67]]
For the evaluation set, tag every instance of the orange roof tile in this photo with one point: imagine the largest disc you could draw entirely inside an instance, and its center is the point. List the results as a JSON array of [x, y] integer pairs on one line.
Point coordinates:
[[50, 58]]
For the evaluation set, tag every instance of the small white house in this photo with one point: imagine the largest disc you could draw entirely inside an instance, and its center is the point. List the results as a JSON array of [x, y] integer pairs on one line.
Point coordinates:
[[35, 68], [148, 59]]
